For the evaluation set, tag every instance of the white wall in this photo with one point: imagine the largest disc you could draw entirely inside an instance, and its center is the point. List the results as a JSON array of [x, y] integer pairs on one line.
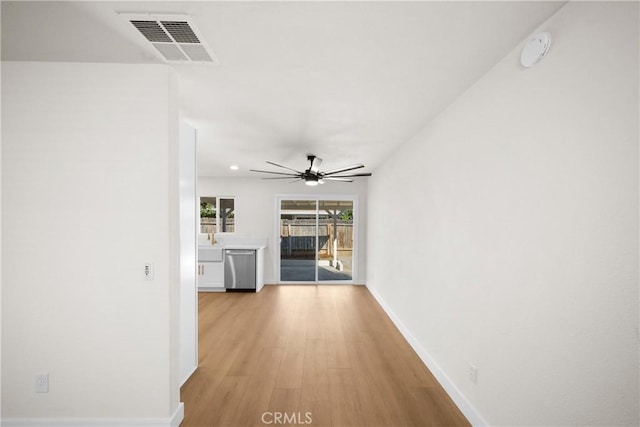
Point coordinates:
[[188, 258], [255, 210], [517, 244], [89, 194]]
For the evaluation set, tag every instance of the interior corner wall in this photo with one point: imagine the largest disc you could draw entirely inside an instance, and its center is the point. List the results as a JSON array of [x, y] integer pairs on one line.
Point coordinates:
[[86, 202], [513, 241], [255, 210]]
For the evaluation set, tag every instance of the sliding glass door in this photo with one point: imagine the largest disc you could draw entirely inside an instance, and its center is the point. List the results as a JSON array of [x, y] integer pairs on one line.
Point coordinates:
[[298, 240], [316, 240], [335, 240]]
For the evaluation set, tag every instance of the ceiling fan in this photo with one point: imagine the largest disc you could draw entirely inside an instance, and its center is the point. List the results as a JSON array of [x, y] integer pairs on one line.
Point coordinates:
[[313, 176]]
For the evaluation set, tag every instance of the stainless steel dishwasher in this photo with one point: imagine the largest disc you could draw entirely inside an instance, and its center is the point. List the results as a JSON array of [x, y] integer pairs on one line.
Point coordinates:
[[240, 270]]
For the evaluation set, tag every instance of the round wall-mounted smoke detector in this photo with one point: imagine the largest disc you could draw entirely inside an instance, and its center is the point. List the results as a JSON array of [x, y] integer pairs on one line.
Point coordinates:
[[535, 49]]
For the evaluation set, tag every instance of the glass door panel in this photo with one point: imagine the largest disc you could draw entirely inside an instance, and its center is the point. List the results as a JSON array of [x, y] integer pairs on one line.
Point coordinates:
[[298, 240], [335, 240]]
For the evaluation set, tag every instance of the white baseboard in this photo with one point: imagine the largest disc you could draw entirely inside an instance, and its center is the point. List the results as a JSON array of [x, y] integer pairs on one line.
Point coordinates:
[[173, 421], [178, 415], [212, 289], [186, 378], [472, 415]]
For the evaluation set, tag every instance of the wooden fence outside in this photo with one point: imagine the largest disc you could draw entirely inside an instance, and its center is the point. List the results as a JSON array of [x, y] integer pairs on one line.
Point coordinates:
[[298, 237], [208, 225]]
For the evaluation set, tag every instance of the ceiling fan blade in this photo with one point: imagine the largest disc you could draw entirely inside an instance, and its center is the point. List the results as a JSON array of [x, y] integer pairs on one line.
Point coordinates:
[[315, 163], [283, 177], [337, 179], [350, 175], [344, 169], [276, 173], [284, 167]]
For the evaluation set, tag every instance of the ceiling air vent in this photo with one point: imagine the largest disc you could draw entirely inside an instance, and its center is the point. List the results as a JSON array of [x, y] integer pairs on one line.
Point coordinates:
[[174, 37]]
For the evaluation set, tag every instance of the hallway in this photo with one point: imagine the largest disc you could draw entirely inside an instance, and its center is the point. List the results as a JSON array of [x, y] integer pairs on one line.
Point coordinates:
[[315, 355]]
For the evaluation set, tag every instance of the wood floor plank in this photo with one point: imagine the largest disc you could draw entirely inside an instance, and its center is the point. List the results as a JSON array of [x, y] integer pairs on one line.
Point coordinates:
[[324, 355], [227, 405], [291, 368], [315, 401], [257, 396], [346, 407], [315, 362], [315, 327], [284, 405], [338, 355]]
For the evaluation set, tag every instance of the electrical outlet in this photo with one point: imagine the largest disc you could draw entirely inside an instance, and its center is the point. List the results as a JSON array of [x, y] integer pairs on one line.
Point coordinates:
[[42, 383], [148, 271], [473, 374]]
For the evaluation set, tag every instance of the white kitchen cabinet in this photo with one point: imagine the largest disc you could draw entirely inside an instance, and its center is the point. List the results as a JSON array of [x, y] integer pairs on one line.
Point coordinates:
[[210, 276]]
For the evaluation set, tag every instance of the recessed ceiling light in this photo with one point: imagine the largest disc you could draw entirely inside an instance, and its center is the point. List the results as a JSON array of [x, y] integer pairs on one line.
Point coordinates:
[[234, 167]]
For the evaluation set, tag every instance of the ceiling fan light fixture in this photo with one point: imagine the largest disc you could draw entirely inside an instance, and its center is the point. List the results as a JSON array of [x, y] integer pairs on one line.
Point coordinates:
[[311, 180]]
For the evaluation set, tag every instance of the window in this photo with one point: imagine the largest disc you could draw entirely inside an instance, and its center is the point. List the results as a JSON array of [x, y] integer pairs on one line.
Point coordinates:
[[217, 215]]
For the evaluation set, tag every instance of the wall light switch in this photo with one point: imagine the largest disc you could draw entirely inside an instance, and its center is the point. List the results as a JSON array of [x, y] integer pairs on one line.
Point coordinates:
[[42, 383], [148, 271]]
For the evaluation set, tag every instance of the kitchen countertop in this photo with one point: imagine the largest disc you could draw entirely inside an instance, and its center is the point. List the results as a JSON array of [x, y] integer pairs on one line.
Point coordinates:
[[233, 242], [240, 246]]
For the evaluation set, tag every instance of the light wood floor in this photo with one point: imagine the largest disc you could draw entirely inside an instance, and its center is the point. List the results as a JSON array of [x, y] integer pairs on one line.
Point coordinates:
[[329, 351]]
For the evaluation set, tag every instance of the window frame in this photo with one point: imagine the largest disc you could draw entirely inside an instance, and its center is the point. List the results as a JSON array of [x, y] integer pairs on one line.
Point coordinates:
[[218, 211]]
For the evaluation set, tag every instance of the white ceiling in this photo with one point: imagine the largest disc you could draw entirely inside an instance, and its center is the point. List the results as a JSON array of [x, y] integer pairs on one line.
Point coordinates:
[[346, 81]]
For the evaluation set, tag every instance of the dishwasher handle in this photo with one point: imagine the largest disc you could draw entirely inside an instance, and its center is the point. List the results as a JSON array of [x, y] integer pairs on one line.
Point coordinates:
[[240, 252]]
